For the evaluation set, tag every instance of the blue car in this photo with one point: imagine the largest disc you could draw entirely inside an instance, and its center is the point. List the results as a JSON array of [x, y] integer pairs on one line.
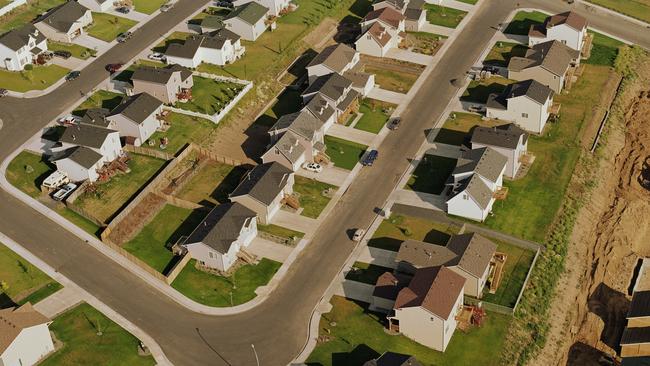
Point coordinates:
[[370, 158]]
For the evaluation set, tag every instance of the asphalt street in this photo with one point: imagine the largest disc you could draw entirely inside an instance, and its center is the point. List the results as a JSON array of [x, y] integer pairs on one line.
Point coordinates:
[[279, 326]]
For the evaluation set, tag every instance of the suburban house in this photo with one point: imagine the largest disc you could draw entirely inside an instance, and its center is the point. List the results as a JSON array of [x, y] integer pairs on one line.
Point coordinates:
[[275, 6], [296, 138], [79, 163], [248, 20], [393, 359], [412, 10], [337, 91], [386, 289], [166, 84], [569, 28], [635, 341], [96, 117], [137, 118], [550, 63], [220, 47], [320, 108], [25, 336], [527, 103], [476, 183], [263, 190], [337, 58], [376, 41], [426, 310], [389, 18], [104, 141], [217, 240], [399, 5], [20, 47], [101, 6], [64, 22], [362, 82], [509, 140], [469, 255]]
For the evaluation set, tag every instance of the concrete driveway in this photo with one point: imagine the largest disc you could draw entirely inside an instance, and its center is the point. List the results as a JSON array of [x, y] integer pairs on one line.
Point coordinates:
[[268, 249], [386, 95], [91, 42], [437, 29], [133, 15], [420, 199], [294, 221], [329, 175], [351, 134], [71, 63], [409, 56]]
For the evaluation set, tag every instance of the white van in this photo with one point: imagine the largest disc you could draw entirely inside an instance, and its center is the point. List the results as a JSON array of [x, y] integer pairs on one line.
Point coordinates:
[[56, 180]]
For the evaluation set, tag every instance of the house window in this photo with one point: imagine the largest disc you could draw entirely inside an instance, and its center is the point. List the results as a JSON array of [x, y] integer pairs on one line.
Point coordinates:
[[525, 115], [431, 318], [211, 255]]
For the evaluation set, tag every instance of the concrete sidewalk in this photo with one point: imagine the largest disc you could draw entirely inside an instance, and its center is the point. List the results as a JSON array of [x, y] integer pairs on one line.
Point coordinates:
[[133, 15], [351, 134], [387, 95], [409, 56], [59, 302]]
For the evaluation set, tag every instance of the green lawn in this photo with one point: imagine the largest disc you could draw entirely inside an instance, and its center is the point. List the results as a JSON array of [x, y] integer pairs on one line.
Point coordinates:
[[344, 154], [76, 50], [183, 130], [393, 231], [210, 96], [26, 13], [604, 50], [22, 281], [212, 290], [457, 128], [366, 273], [444, 16], [311, 195], [289, 101], [148, 6], [400, 82], [280, 231], [212, 184], [375, 115], [430, 174], [82, 222], [152, 242], [28, 171], [522, 21], [39, 78], [355, 335], [107, 27], [99, 99], [514, 274], [478, 91], [540, 193], [501, 53], [111, 196], [78, 330], [639, 9]]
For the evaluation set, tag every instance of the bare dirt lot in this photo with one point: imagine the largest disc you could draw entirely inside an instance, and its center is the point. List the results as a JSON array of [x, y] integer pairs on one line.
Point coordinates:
[[611, 233]]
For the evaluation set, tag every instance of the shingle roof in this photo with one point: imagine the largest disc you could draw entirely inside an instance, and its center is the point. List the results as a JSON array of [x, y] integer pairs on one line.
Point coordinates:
[[358, 79], [436, 289], [64, 16], [264, 182], [640, 305], [81, 155], [474, 252], [635, 335], [478, 190], [289, 146], [397, 4], [420, 254], [18, 38], [222, 226], [14, 320], [393, 359], [570, 18], [505, 136], [379, 34], [160, 75], [389, 284], [530, 88], [250, 13], [301, 123], [96, 117], [484, 161], [335, 57], [86, 135], [387, 15], [138, 107], [212, 22], [332, 86], [320, 108], [213, 40], [553, 56]]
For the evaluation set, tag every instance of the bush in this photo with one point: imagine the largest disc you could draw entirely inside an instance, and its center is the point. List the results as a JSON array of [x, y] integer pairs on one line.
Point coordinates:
[[29, 67]]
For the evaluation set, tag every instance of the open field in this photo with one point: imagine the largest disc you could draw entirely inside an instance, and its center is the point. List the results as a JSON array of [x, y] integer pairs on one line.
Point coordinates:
[[345, 154], [604, 51], [430, 174], [393, 231], [458, 126], [183, 130], [311, 195], [39, 78], [444, 16], [26, 13], [107, 26], [212, 184]]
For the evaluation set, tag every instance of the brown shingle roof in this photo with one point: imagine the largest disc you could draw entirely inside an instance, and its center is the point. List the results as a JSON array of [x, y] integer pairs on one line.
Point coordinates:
[[474, 252], [387, 15], [14, 320], [569, 18], [379, 34], [160, 75], [506, 136], [388, 285], [553, 56], [64, 16], [436, 289], [264, 182]]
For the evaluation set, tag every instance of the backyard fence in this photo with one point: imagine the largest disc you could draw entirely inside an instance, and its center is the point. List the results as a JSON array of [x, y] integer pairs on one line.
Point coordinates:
[[11, 6], [216, 157], [172, 200], [148, 152], [177, 269], [137, 261], [489, 306]]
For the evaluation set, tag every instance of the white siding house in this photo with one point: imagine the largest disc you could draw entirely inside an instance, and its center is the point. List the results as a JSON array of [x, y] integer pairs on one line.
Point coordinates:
[[568, 28], [20, 47], [337, 58], [248, 20], [526, 103], [221, 47], [25, 336], [100, 6], [376, 41], [508, 140], [274, 6]]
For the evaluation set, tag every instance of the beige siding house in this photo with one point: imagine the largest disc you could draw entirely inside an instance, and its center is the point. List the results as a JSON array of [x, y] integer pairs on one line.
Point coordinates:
[[248, 20], [137, 118], [64, 22], [162, 83], [569, 28], [337, 58], [296, 138], [508, 140], [526, 103], [376, 41]]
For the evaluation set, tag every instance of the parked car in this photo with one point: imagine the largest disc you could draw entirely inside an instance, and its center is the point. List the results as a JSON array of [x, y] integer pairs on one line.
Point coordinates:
[[157, 56], [72, 75], [123, 9], [3, 92], [225, 4], [313, 167], [63, 54], [123, 37], [394, 123], [56, 180], [68, 120], [112, 68], [370, 158], [64, 192], [166, 7], [358, 234]]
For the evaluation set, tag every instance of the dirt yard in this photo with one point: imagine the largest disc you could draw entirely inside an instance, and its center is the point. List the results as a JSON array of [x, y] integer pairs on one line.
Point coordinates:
[[611, 233]]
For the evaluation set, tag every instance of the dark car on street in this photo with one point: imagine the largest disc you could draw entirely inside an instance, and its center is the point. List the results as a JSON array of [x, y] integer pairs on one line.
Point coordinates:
[[72, 75], [112, 68], [123, 10], [63, 54], [370, 158], [394, 123], [3, 92]]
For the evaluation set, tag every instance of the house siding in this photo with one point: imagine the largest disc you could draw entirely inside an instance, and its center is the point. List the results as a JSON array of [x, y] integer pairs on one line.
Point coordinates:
[[67, 37], [166, 93], [31, 345], [513, 155], [141, 131], [564, 34], [213, 259], [244, 30], [539, 74], [468, 208], [537, 114], [368, 46]]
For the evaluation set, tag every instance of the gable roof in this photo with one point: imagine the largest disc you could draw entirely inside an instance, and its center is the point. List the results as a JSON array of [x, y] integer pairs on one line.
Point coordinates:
[[14, 320], [137, 107], [484, 161], [378, 34], [534, 90], [264, 182], [81, 155], [86, 135], [289, 146], [396, 4], [332, 86], [96, 117], [320, 108], [389, 284], [301, 123], [64, 16], [393, 359], [640, 305], [477, 189], [474, 252], [387, 15], [250, 13], [18, 38], [213, 40], [570, 18], [335, 57], [505, 136], [435, 289], [421, 254], [553, 56], [212, 22], [222, 226], [160, 75]]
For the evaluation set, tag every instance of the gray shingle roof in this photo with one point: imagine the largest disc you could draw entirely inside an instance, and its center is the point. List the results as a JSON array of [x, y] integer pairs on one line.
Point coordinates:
[[18, 38], [320, 108], [213, 40], [289, 147], [474, 252], [86, 135], [536, 91], [81, 155], [264, 182], [301, 123], [64, 16], [506, 136], [553, 56], [335, 57], [478, 190], [137, 107], [332, 86], [484, 161], [96, 117], [393, 359], [212, 22], [222, 226], [636, 335], [160, 75], [420, 254], [640, 305], [250, 13]]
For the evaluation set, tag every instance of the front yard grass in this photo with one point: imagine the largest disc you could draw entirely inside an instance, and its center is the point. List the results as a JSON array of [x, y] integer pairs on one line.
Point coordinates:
[[24, 282], [39, 78], [26, 13], [502, 52], [604, 50], [522, 21], [99, 99], [393, 231], [359, 335], [639, 9], [114, 194], [107, 27], [444, 16], [147, 6], [152, 243], [478, 91], [183, 130], [400, 82], [210, 96], [280, 231], [515, 270], [213, 290], [366, 273], [76, 50], [344, 154], [430, 174], [78, 328], [126, 74], [28, 171], [310, 192], [212, 184], [540, 193], [375, 115], [458, 126]]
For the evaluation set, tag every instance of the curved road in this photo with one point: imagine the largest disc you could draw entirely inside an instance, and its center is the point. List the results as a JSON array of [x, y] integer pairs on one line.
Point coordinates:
[[279, 326]]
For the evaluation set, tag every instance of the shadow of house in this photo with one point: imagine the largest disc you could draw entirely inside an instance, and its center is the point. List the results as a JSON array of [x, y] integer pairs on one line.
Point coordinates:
[[256, 142], [6, 301], [581, 354], [437, 237], [110, 103], [229, 183], [360, 8], [289, 101], [516, 51], [348, 30], [299, 67], [357, 357], [385, 243], [611, 307], [520, 27], [479, 93]]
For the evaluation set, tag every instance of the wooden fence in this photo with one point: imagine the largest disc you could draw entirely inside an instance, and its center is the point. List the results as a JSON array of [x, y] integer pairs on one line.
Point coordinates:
[[137, 261], [148, 152], [177, 269]]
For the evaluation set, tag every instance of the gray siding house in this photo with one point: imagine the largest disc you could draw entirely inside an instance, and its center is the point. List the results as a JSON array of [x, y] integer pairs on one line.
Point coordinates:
[[248, 20], [163, 83]]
